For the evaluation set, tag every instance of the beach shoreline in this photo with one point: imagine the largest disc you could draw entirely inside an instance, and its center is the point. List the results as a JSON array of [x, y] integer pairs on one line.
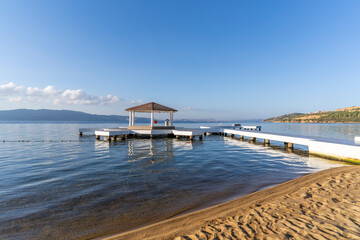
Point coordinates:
[[322, 204]]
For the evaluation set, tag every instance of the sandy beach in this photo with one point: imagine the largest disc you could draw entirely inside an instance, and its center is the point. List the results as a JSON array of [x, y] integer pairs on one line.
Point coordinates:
[[323, 205]]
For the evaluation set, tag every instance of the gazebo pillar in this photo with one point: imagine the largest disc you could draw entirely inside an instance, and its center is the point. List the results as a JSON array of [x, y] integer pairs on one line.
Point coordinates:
[[171, 118], [152, 119], [130, 118], [133, 118]]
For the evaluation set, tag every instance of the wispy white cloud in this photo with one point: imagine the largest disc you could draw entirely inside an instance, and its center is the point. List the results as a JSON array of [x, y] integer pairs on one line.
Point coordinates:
[[137, 101], [195, 109], [10, 88], [15, 99], [80, 97], [13, 93], [186, 108], [203, 110]]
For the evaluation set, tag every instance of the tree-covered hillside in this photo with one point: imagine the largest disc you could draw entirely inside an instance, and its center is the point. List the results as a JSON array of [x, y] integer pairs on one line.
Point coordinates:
[[343, 115]]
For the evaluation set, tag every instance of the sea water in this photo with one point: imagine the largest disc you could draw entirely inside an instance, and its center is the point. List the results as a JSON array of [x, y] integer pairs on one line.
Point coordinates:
[[55, 184]]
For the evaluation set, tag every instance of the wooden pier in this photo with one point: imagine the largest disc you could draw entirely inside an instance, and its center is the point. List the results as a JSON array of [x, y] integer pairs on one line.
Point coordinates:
[[329, 148], [323, 147], [152, 129], [112, 134]]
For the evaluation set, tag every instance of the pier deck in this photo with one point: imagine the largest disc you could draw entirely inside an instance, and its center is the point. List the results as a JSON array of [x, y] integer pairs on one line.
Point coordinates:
[[114, 133], [191, 133], [324, 147], [86, 130], [330, 148], [254, 128], [218, 129]]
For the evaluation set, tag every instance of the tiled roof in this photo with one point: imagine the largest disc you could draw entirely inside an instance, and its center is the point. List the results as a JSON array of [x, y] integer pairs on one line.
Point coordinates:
[[151, 107]]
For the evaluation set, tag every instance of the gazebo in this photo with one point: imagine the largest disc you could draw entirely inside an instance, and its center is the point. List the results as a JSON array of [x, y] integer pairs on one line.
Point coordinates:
[[151, 108]]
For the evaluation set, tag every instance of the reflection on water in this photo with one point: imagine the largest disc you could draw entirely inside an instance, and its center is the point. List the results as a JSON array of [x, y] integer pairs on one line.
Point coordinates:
[[184, 145], [142, 148], [69, 190], [292, 155]]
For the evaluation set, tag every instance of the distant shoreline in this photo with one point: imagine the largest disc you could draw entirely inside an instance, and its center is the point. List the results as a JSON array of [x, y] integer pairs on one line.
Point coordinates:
[[341, 115], [47, 115], [91, 121], [312, 122]]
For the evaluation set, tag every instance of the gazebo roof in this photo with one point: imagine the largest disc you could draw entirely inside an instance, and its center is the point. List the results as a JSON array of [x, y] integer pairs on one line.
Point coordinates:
[[151, 107]]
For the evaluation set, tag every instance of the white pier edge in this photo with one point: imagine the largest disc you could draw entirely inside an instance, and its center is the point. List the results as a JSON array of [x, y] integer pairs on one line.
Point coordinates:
[[329, 148]]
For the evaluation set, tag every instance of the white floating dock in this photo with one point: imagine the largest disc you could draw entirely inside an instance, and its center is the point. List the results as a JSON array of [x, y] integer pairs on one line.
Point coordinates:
[[84, 130], [330, 148], [191, 133], [218, 129], [253, 128], [143, 131], [357, 140], [113, 133]]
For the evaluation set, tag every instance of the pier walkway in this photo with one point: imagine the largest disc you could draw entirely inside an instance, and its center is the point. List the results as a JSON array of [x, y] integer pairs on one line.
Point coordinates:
[[329, 148], [180, 132], [122, 133]]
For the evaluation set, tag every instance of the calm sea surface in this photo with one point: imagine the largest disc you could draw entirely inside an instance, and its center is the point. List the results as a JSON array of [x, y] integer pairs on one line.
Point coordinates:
[[54, 184]]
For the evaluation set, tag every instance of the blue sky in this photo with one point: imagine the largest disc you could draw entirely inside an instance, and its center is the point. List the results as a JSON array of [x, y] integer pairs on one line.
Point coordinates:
[[209, 59]]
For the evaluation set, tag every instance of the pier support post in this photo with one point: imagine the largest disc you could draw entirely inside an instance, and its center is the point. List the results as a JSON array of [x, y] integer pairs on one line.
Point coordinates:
[[290, 150], [97, 137], [252, 139], [170, 135], [288, 145]]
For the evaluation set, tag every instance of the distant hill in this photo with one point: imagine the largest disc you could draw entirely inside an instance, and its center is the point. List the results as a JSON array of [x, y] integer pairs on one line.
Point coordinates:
[[60, 115], [76, 116], [342, 115]]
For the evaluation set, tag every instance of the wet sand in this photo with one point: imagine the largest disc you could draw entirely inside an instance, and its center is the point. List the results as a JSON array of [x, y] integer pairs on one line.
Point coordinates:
[[323, 205]]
